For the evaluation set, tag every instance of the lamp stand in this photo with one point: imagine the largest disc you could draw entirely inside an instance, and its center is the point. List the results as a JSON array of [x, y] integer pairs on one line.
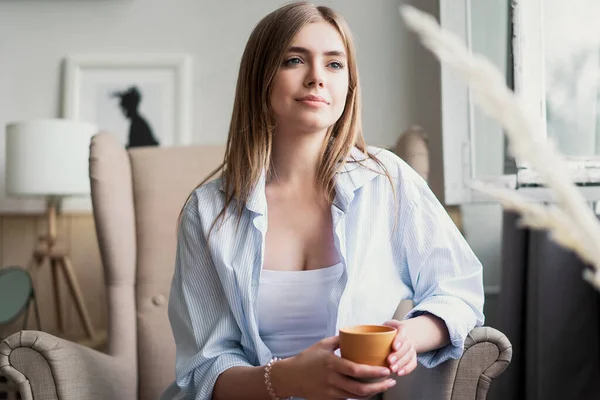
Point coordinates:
[[60, 261]]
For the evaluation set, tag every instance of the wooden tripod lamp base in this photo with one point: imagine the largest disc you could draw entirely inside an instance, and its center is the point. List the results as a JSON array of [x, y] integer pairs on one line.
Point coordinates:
[[60, 264]]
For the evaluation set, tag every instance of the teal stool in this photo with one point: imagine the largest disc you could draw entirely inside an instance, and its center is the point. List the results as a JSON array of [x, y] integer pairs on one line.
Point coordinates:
[[16, 294]]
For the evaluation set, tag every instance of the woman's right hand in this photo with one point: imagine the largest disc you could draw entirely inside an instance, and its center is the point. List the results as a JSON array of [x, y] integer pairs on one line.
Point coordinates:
[[317, 373]]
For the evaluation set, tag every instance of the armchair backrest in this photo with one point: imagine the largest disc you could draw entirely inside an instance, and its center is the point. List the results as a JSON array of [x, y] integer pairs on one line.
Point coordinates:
[[137, 195]]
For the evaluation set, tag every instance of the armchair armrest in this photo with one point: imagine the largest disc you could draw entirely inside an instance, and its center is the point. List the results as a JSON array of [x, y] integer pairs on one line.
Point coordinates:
[[487, 354], [46, 367]]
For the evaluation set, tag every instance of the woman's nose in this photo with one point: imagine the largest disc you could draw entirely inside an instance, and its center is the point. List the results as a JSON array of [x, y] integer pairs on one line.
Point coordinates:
[[315, 78]]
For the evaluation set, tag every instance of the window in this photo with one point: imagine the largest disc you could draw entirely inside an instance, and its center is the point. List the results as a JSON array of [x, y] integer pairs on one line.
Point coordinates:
[[552, 48]]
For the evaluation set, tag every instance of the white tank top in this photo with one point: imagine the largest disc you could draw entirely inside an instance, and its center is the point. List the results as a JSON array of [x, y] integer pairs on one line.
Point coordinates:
[[292, 308]]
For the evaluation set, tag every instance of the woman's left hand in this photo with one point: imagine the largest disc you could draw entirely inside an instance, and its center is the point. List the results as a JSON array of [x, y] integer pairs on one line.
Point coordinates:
[[403, 358]]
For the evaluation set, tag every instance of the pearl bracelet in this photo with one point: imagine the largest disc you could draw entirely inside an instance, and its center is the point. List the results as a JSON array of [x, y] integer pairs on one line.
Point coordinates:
[[268, 368]]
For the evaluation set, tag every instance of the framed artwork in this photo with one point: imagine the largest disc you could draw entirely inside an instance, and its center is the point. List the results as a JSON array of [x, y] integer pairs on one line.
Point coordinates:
[[143, 99]]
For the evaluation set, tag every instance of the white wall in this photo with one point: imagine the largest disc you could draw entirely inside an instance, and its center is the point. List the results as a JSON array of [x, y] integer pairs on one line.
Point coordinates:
[[36, 35], [400, 80]]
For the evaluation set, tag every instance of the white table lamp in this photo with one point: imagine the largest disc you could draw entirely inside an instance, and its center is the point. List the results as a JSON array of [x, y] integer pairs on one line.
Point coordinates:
[[50, 159]]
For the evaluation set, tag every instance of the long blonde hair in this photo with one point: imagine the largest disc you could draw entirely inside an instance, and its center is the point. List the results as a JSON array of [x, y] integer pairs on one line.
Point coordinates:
[[250, 139]]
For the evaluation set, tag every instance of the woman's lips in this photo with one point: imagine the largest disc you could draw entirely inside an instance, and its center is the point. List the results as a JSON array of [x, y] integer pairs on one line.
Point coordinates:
[[313, 101]]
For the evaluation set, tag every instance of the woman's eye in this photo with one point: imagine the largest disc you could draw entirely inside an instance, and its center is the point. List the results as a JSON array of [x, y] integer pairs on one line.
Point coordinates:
[[336, 65], [293, 61]]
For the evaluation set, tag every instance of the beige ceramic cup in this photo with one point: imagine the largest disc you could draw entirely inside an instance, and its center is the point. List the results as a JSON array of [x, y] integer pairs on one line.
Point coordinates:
[[367, 344]]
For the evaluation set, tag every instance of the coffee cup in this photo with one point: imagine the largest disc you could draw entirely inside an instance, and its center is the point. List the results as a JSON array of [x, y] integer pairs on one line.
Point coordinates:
[[367, 344]]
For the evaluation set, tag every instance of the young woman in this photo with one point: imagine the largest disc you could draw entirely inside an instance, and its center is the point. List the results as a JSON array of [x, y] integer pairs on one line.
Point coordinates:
[[307, 230]]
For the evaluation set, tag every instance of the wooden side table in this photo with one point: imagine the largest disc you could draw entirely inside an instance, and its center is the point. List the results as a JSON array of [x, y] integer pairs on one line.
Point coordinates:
[[16, 296]]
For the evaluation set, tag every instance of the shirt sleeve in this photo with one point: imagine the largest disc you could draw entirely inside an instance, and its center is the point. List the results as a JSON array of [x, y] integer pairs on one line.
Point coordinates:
[[446, 275], [206, 335]]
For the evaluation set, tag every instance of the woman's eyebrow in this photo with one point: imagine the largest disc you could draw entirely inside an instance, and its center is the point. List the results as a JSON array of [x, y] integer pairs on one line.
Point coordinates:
[[303, 50]]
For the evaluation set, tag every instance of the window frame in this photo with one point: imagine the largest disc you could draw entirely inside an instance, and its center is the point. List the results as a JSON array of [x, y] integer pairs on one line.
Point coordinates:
[[528, 69]]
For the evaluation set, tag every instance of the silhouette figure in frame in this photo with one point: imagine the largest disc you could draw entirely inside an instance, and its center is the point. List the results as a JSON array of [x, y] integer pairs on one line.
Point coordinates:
[[140, 133]]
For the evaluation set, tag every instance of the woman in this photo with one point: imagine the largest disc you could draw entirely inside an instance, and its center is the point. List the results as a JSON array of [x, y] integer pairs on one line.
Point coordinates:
[[307, 231]]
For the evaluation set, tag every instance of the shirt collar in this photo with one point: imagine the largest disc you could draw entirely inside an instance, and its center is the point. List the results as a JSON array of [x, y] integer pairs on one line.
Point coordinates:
[[356, 172]]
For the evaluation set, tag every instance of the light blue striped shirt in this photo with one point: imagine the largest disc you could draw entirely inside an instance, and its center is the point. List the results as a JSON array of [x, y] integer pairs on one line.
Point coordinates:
[[392, 248]]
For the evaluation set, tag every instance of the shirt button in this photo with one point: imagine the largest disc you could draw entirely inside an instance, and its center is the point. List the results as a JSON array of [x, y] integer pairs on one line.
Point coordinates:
[[254, 282]]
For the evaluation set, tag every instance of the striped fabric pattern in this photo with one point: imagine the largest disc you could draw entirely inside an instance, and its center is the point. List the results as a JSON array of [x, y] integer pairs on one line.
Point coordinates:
[[396, 242]]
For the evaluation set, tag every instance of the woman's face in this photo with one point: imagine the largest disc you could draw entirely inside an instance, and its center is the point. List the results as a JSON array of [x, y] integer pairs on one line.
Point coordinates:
[[310, 88]]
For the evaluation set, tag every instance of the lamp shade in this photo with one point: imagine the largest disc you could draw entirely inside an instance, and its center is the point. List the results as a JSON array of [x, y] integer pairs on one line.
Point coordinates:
[[48, 157]]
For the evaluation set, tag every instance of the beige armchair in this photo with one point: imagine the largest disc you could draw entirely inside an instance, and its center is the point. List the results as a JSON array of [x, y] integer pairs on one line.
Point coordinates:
[[137, 195]]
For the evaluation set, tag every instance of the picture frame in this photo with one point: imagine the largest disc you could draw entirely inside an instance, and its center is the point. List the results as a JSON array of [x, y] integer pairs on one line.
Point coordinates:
[[94, 84], [143, 99]]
